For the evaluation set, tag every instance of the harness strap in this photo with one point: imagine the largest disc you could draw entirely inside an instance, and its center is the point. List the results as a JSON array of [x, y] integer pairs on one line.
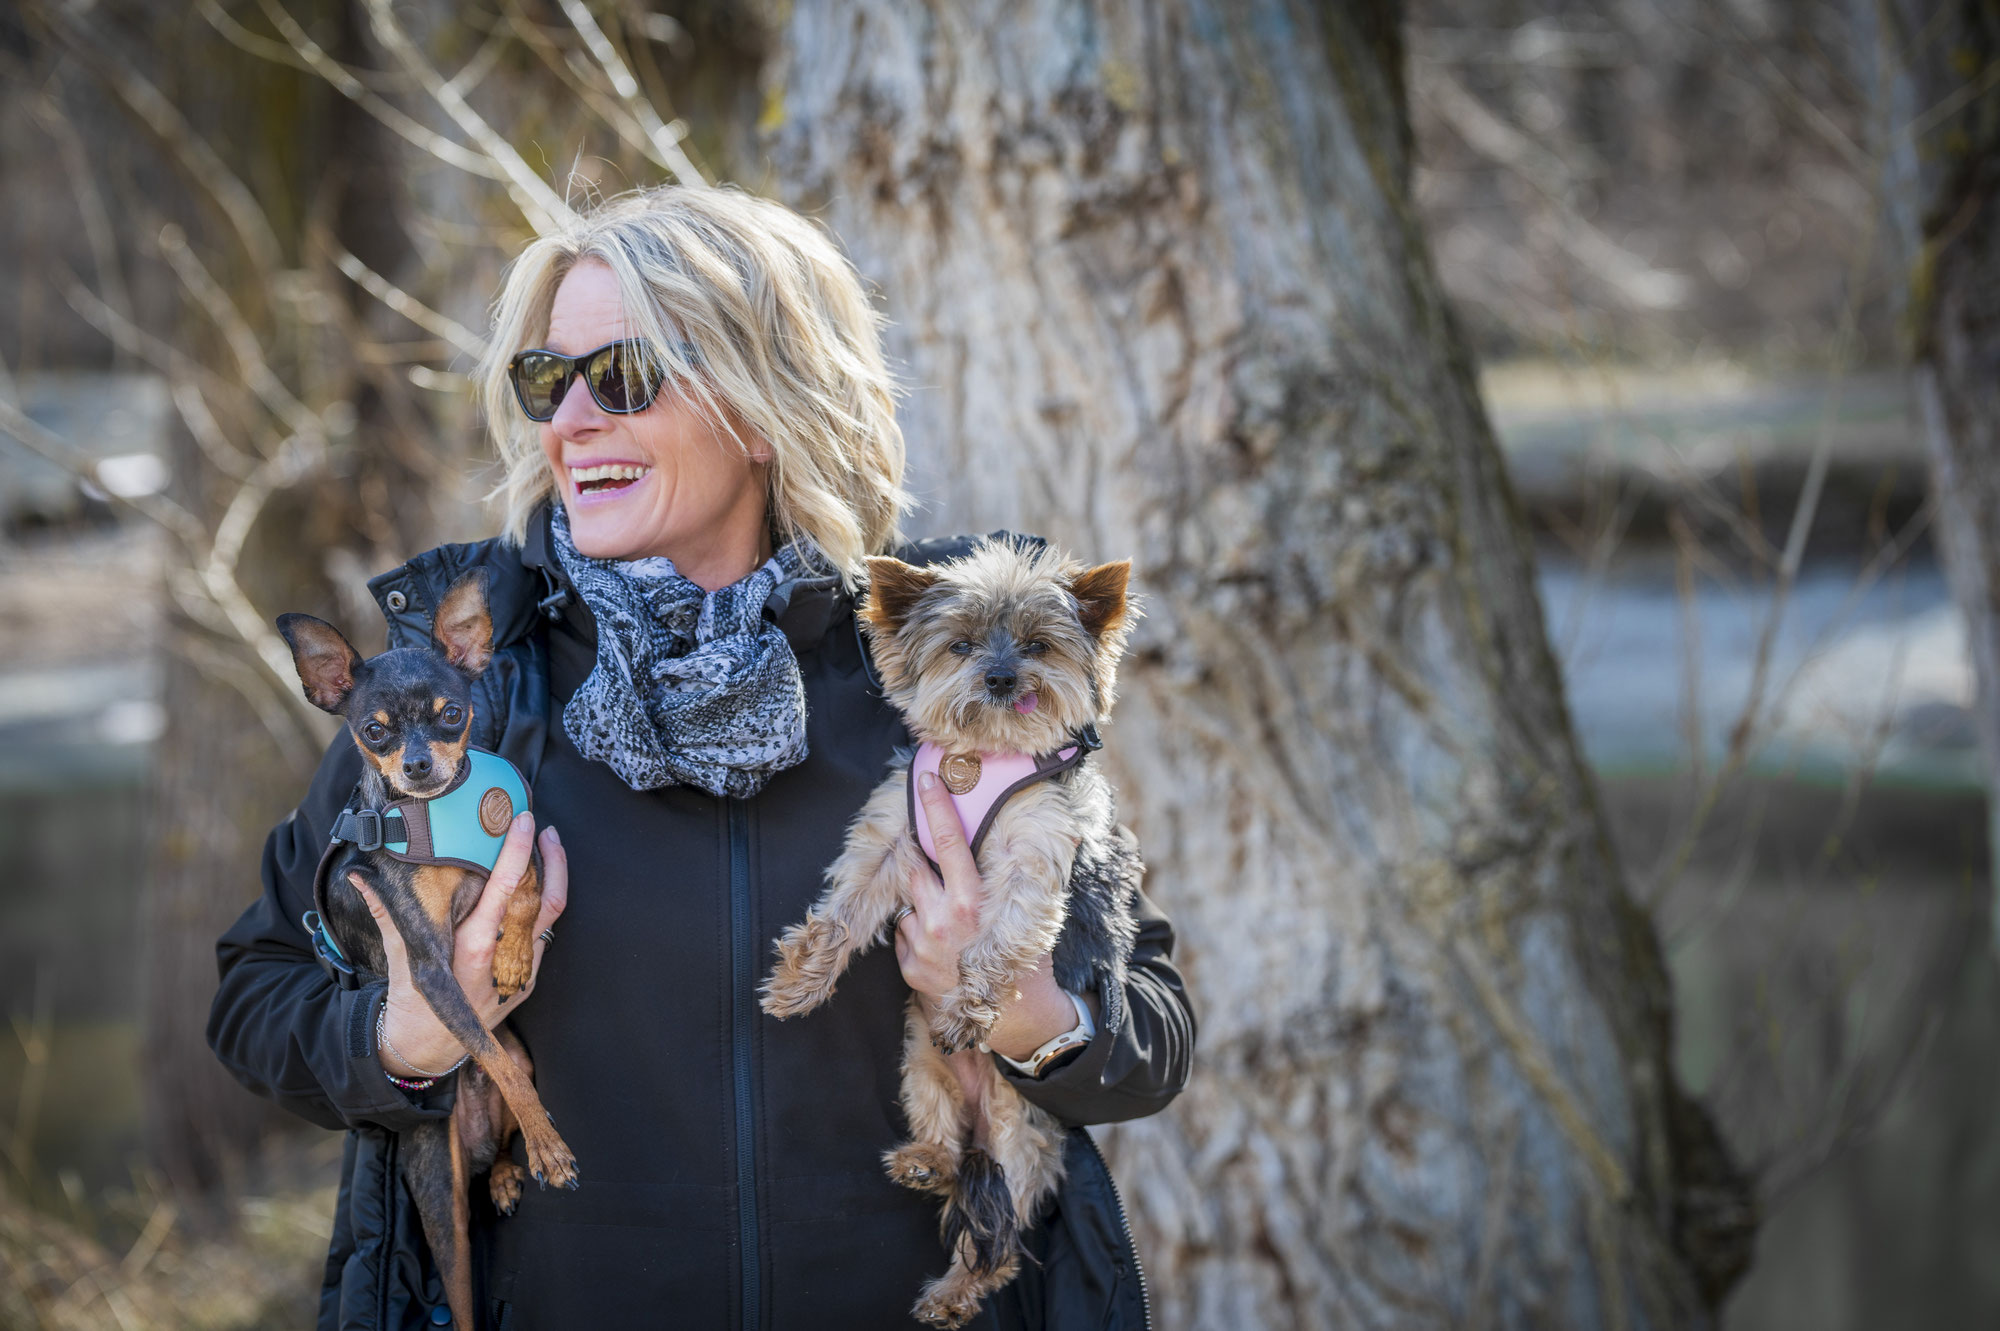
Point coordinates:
[[1044, 766], [372, 829], [474, 822]]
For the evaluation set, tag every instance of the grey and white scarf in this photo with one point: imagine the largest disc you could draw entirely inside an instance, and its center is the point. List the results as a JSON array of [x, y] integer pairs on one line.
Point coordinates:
[[691, 687]]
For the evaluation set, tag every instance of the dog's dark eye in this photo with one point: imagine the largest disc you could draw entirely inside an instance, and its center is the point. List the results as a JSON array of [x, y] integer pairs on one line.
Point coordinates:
[[374, 732], [453, 715], [961, 648], [1035, 647]]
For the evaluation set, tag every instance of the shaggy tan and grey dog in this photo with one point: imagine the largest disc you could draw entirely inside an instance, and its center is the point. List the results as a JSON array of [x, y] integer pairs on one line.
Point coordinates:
[[1003, 661]]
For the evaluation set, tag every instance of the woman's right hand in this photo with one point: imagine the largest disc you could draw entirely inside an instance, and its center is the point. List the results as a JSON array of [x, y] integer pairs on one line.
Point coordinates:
[[425, 1046]]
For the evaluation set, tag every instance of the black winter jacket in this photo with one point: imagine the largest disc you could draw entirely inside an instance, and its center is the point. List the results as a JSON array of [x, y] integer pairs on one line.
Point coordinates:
[[731, 1164]]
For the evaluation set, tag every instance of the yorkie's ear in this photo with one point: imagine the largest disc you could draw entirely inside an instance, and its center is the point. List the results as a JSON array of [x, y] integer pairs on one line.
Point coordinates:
[[463, 628], [325, 660], [893, 589], [1100, 596]]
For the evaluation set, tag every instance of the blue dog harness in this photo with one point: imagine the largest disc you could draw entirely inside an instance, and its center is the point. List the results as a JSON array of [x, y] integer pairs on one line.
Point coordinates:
[[464, 827]]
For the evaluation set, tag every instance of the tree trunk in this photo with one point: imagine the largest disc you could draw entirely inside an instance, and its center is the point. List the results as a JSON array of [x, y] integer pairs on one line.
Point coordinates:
[[1944, 188], [1159, 289]]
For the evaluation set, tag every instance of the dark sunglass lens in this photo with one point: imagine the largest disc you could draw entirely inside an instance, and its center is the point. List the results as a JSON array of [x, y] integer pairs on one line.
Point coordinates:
[[542, 380], [620, 379]]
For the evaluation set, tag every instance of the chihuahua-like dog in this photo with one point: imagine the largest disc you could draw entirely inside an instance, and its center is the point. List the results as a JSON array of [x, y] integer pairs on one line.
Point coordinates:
[[446, 806], [1003, 662]]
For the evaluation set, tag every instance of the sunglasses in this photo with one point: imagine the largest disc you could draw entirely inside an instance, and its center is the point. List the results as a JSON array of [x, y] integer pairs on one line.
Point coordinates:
[[621, 376]]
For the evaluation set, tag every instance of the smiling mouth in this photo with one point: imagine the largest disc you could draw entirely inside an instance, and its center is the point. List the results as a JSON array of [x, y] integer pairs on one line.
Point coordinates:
[[607, 478]]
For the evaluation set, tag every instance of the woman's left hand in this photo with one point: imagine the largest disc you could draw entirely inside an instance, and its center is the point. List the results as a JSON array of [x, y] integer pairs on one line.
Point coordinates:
[[946, 919]]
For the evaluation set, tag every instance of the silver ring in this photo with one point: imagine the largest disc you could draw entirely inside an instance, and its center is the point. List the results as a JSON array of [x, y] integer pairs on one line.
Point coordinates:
[[548, 935], [902, 913]]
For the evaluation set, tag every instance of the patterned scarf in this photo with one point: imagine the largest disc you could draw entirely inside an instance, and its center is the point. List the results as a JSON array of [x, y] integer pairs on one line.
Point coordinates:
[[691, 687]]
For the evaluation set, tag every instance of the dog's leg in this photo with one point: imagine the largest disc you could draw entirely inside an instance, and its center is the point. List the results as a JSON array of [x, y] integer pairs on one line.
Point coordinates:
[[434, 1171], [934, 1106], [514, 956], [507, 1179], [422, 914], [1027, 1143], [981, 1223], [864, 887], [1025, 864]]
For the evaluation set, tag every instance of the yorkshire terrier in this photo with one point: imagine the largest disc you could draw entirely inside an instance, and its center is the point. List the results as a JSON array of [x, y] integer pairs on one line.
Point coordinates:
[[1002, 662], [409, 712]]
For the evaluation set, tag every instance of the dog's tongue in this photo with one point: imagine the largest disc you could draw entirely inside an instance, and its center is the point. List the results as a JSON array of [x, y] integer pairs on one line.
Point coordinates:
[[1025, 703]]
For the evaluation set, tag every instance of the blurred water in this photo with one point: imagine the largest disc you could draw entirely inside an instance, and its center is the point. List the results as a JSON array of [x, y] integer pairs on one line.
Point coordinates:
[[1856, 668]]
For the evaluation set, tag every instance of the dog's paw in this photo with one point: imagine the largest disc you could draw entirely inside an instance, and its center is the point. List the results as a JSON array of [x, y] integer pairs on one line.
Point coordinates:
[[921, 1167], [804, 976], [944, 1307], [550, 1161], [513, 967], [505, 1184], [959, 1026]]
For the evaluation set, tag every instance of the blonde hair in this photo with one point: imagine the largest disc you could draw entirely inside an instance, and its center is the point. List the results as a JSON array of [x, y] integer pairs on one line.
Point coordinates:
[[752, 312]]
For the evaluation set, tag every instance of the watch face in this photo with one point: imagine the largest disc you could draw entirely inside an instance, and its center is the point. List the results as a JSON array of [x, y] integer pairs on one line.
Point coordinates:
[[1062, 1058]]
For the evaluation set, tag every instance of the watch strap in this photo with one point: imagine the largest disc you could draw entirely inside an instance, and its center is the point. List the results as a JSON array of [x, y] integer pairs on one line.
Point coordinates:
[[1079, 1035]]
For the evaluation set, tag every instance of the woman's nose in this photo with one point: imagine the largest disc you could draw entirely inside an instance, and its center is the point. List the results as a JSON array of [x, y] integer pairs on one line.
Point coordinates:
[[577, 414]]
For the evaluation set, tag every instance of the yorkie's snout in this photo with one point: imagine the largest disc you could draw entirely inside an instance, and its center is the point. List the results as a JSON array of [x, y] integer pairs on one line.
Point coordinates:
[[417, 766], [1003, 672]]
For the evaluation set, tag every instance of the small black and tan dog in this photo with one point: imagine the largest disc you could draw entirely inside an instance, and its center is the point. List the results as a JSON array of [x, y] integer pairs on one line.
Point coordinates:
[[409, 711], [1002, 662]]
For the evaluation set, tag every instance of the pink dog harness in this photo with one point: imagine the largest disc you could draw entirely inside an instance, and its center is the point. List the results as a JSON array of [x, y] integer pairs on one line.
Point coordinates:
[[980, 783]]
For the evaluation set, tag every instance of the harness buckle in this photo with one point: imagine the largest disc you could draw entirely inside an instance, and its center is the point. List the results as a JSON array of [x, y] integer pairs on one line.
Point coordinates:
[[361, 826], [324, 947]]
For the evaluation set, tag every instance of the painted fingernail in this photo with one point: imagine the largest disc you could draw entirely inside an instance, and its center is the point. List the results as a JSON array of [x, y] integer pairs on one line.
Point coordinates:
[[928, 780]]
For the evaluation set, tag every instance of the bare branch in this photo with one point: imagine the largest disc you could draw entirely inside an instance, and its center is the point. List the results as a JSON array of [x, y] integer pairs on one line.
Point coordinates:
[[297, 742], [242, 339], [238, 204], [539, 204], [89, 202], [169, 360], [207, 432], [309, 55], [664, 139], [47, 444], [418, 313]]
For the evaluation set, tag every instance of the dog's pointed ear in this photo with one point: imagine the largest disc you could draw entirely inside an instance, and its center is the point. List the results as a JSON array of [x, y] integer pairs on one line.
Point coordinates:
[[1100, 597], [463, 628], [326, 661], [893, 589]]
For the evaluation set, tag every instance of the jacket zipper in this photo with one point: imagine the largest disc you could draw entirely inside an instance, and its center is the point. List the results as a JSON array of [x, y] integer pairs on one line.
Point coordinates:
[[1125, 1229], [743, 1005], [391, 1175]]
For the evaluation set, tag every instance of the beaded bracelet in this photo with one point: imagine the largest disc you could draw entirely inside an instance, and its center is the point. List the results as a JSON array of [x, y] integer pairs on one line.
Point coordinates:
[[422, 1082]]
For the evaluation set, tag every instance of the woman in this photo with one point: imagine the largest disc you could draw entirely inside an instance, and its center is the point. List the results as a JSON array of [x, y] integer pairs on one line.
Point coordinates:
[[700, 452]]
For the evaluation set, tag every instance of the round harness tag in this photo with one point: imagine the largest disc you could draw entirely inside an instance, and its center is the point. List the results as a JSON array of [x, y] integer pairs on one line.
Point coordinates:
[[496, 810]]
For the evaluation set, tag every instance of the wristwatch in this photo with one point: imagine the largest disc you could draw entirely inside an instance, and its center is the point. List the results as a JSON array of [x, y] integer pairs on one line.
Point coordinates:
[[1053, 1051]]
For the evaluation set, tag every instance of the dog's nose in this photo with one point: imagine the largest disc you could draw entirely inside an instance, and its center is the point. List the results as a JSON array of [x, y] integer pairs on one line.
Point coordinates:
[[417, 768], [999, 680]]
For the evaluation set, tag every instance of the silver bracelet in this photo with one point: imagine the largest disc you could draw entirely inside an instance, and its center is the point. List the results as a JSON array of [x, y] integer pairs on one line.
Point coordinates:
[[382, 1042]]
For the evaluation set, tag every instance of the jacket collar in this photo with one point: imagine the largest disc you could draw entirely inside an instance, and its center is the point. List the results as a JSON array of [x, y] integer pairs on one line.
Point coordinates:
[[526, 585]]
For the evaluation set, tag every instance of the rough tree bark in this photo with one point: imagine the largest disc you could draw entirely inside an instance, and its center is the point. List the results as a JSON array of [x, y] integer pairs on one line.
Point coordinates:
[[1944, 203], [1160, 291]]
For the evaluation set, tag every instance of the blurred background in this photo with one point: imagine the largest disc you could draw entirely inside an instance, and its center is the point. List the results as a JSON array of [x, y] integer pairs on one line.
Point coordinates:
[[248, 246]]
